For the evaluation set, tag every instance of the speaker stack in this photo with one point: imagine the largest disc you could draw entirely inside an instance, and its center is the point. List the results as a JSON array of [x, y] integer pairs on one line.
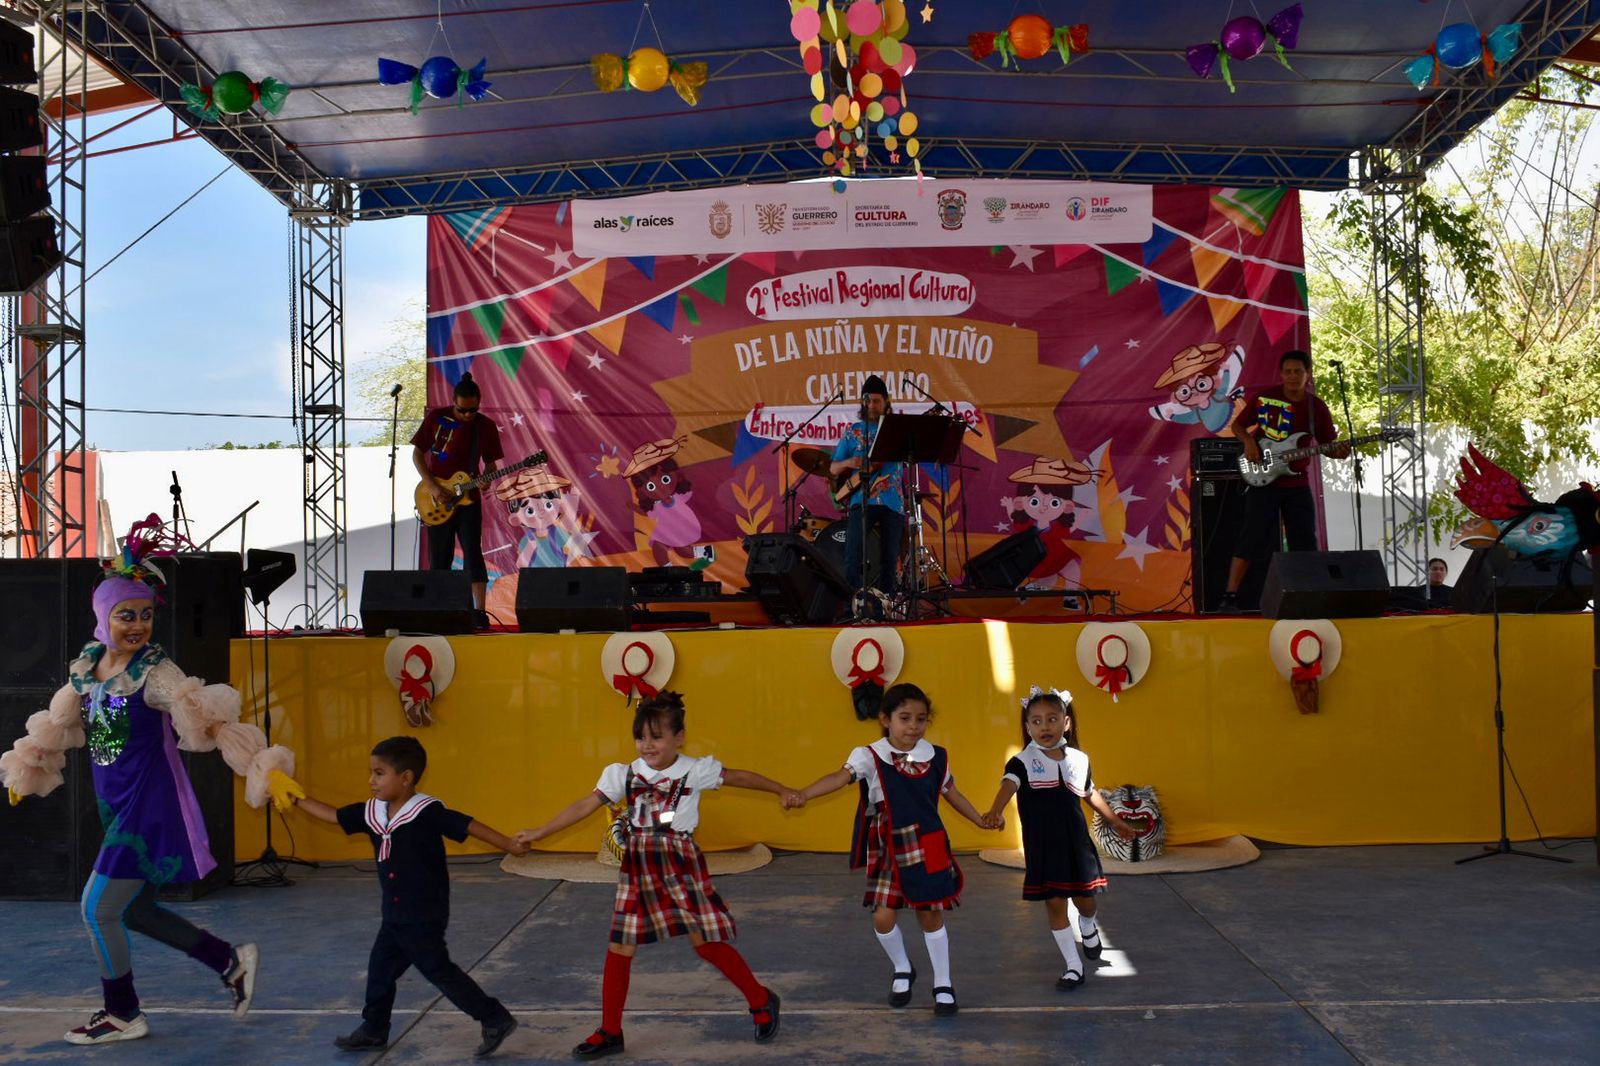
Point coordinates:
[[29, 245], [1216, 515], [48, 845]]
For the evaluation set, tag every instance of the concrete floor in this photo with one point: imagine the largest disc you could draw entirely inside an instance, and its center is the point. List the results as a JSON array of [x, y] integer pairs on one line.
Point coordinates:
[[1325, 955]]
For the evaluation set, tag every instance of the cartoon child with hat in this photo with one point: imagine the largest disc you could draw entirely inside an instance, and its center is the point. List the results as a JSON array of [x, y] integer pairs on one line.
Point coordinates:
[[546, 508], [663, 493], [1204, 382], [1048, 507]]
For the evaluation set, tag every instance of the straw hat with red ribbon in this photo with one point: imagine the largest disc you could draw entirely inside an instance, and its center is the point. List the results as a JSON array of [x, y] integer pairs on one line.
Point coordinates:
[[637, 664], [873, 653], [420, 668], [1306, 652], [1113, 656]]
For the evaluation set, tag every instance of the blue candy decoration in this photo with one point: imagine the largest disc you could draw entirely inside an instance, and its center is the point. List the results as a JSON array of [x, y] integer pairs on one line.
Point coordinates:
[[440, 77], [1459, 45]]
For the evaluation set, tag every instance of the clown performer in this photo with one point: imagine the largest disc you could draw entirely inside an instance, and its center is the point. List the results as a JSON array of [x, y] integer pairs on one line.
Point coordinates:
[[136, 710], [1049, 508], [546, 508], [664, 494], [1204, 382]]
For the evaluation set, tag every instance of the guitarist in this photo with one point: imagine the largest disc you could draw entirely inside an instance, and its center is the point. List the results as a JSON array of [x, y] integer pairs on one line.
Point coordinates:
[[1274, 414], [454, 440], [876, 503]]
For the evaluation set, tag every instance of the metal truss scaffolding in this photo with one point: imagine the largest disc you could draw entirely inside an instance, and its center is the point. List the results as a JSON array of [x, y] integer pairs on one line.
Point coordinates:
[[47, 354], [1391, 178], [318, 218]]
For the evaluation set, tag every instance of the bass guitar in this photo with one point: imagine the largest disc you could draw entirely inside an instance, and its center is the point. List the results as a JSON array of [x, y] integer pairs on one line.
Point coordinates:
[[435, 512], [849, 482], [1287, 456]]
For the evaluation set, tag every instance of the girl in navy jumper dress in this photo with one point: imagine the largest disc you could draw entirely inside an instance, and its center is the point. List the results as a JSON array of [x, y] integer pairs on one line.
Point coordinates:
[[900, 838], [1050, 778]]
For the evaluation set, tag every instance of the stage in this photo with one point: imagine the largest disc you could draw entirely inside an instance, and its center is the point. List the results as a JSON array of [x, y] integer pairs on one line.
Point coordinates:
[[1402, 751]]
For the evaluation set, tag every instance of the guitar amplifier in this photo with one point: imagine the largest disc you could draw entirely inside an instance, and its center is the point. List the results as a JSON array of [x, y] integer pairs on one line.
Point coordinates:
[[1215, 458], [672, 583]]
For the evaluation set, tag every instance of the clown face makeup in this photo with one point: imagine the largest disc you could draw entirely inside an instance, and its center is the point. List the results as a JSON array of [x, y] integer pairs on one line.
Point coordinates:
[[129, 625]]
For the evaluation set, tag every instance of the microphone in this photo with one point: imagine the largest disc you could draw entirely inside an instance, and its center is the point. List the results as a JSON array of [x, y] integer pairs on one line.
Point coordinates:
[[396, 390], [1336, 364]]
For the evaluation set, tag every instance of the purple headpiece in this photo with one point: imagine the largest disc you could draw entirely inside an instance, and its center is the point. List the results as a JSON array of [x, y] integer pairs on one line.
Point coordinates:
[[132, 575]]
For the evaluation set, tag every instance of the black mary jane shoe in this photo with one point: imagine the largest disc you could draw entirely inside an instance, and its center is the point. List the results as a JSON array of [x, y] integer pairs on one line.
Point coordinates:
[[608, 1044], [1093, 950], [1069, 981], [766, 1030], [944, 1010], [363, 1039], [900, 999], [493, 1035]]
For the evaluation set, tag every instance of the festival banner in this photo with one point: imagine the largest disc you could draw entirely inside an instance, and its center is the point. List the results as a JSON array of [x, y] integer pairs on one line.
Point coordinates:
[[661, 384]]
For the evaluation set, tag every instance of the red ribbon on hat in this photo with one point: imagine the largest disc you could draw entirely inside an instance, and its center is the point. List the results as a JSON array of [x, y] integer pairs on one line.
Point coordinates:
[[417, 687], [858, 675], [1302, 670], [631, 684], [1111, 678]]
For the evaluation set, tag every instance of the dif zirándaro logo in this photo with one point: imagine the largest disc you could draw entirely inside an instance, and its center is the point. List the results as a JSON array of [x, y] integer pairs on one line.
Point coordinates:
[[952, 208], [1077, 209], [770, 218], [996, 206], [720, 220]]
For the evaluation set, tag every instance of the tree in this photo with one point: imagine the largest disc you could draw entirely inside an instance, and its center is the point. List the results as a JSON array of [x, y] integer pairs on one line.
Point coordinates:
[[404, 361]]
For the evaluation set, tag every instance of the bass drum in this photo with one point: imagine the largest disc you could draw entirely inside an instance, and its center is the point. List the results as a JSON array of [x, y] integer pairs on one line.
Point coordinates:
[[830, 545]]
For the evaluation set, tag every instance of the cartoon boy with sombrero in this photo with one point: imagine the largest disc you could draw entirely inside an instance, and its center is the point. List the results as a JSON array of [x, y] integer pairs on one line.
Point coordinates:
[[1048, 506], [1204, 382], [546, 508]]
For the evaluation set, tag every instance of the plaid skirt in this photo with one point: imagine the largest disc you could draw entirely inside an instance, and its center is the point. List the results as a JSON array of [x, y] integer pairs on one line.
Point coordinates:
[[665, 890], [882, 891]]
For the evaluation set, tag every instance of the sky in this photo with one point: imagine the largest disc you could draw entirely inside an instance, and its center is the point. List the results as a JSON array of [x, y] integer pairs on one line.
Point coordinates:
[[195, 317]]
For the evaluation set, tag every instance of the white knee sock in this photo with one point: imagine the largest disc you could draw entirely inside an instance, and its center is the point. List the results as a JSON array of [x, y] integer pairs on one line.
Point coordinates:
[[1069, 947], [938, 943], [894, 946], [1086, 925]]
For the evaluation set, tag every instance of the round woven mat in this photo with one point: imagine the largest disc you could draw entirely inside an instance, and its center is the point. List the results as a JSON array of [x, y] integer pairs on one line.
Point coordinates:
[[1179, 859], [602, 868]]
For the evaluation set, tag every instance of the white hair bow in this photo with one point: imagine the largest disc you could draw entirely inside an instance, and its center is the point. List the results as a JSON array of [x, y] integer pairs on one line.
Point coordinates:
[[1035, 692]]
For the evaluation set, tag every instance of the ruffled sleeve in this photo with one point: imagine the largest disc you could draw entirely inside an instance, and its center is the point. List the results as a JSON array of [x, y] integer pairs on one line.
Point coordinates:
[[206, 718], [33, 765]]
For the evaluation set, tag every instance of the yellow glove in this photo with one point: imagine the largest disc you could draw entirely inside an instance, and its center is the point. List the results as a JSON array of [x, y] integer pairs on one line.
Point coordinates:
[[284, 789], [13, 795]]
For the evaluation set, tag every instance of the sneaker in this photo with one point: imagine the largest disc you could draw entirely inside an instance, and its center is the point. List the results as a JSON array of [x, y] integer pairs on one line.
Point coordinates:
[[240, 980], [1229, 603], [493, 1034], [363, 1039], [599, 1045], [104, 1027]]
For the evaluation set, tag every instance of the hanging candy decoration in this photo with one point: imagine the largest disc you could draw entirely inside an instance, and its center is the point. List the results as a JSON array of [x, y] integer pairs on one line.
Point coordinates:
[[234, 93], [1244, 38], [647, 70], [440, 77], [1029, 37], [1460, 46]]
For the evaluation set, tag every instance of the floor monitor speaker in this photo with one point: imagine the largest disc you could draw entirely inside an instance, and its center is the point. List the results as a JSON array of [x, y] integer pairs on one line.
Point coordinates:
[[584, 598], [416, 601], [796, 584], [1325, 585]]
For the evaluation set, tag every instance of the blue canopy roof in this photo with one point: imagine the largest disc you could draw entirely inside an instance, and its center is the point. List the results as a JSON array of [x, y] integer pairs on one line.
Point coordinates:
[[1130, 110]]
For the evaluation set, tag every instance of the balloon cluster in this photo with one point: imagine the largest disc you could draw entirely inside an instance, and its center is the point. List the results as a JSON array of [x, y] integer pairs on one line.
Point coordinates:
[[440, 77], [1460, 45], [234, 93], [1029, 37], [1244, 38], [858, 66], [647, 69]]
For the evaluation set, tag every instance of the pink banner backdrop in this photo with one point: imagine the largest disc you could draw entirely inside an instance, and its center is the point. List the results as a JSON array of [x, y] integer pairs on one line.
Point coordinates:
[[659, 384]]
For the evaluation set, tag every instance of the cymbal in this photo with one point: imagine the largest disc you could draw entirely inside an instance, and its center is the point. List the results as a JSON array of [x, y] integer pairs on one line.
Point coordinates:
[[812, 460]]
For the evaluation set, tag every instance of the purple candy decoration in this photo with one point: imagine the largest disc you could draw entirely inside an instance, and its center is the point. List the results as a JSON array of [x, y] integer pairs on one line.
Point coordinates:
[[1202, 58], [1285, 26], [1244, 37]]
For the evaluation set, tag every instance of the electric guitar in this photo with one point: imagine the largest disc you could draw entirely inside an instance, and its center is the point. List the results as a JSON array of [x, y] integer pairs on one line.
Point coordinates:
[[434, 512], [848, 483], [1287, 456]]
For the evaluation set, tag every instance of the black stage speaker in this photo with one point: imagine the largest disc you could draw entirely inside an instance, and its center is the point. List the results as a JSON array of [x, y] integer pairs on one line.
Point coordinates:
[[1526, 586], [795, 584], [28, 251], [584, 598], [416, 601], [44, 622], [16, 55], [1216, 516], [48, 845], [1325, 585], [23, 190], [1007, 564]]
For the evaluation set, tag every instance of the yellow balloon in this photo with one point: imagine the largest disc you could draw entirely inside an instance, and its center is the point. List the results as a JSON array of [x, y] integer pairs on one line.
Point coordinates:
[[913, 147], [861, 151], [891, 142], [894, 14], [874, 111], [647, 70], [855, 112], [817, 88], [908, 123], [832, 23], [821, 115], [841, 107], [871, 84], [828, 158], [844, 167]]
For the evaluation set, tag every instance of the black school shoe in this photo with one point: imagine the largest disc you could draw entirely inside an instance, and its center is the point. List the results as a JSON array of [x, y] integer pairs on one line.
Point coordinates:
[[493, 1034], [900, 999], [592, 1048], [1069, 981], [766, 1030], [1091, 944], [944, 1010], [363, 1039]]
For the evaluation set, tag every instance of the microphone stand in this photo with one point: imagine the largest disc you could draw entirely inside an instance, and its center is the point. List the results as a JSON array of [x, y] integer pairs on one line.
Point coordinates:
[[178, 513], [944, 526], [791, 494], [1349, 427], [394, 443]]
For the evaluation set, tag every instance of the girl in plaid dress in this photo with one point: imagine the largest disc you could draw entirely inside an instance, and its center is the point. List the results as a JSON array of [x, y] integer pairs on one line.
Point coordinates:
[[664, 889], [900, 839]]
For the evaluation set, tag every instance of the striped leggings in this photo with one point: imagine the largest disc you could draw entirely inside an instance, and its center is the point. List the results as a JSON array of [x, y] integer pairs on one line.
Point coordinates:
[[114, 905]]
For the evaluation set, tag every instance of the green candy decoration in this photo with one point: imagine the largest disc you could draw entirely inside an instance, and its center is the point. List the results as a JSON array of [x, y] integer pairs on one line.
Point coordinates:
[[233, 93]]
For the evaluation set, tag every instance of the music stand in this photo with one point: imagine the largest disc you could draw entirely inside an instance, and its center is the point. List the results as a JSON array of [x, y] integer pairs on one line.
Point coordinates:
[[912, 440]]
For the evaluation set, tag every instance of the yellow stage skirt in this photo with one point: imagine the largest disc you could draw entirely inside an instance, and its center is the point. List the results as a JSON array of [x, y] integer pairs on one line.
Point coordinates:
[[1403, 750]]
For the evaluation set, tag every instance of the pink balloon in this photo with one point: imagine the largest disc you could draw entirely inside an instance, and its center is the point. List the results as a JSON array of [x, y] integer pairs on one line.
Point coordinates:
[[806, 24], [908, 60], [863, 17], [824, 138], [891, 105]]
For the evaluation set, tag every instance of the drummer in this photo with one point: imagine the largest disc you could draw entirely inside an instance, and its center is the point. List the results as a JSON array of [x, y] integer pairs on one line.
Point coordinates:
[[874, 501]]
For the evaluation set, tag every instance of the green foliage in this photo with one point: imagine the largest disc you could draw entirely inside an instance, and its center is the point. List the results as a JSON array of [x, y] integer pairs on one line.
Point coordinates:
[[402, 360]]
